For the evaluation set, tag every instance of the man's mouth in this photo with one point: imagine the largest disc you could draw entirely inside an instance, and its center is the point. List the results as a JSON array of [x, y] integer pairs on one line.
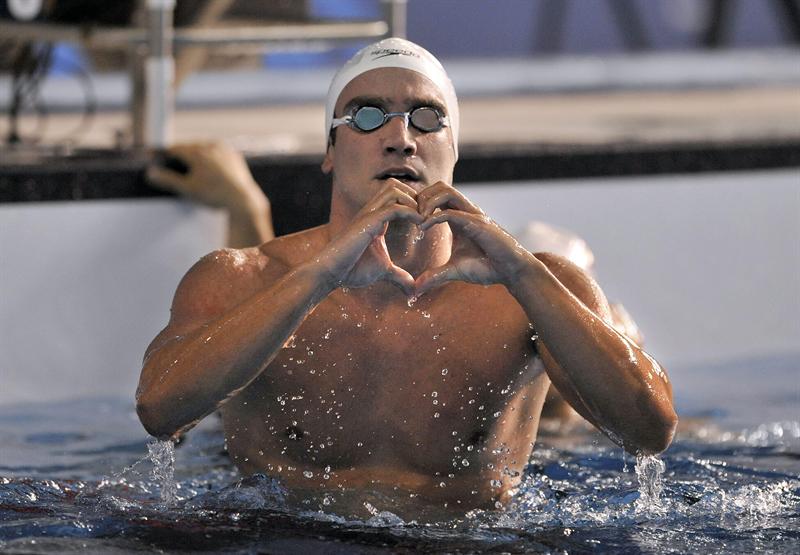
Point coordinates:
[[406, 175]]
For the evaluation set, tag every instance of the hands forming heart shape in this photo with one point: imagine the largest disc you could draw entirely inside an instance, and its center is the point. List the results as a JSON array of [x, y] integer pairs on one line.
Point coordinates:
[[482, 252]]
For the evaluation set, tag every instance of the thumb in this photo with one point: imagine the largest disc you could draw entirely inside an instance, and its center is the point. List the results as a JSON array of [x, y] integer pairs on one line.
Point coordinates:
[[435, 277], [400, 278]]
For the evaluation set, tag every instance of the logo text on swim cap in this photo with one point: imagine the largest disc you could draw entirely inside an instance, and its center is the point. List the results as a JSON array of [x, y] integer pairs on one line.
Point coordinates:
[[384, 52]]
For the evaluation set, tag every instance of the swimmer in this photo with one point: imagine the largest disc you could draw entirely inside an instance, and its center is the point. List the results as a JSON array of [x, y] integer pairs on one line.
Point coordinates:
[[363, 355]]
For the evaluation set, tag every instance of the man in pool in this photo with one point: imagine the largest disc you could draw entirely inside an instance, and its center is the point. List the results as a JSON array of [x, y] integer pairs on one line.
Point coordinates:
[[408, 344]]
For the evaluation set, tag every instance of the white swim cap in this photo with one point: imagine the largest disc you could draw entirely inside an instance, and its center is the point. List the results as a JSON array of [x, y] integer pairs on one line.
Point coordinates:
[[400, 53]]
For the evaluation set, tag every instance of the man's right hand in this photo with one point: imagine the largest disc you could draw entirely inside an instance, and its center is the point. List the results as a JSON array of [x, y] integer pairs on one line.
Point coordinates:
[[358, 256]]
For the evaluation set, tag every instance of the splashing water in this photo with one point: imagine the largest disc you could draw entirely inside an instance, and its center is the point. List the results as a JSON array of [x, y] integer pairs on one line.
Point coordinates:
[[162, 454], [649, 472]]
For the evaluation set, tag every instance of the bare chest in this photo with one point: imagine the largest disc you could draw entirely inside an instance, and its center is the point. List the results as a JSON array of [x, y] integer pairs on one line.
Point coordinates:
[[360, 380]]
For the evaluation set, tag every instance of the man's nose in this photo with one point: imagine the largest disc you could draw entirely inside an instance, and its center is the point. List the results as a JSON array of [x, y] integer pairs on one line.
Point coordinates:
[[398, 137]]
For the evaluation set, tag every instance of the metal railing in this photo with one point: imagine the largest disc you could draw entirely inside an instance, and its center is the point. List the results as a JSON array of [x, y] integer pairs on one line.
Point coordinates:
[[152, 45]]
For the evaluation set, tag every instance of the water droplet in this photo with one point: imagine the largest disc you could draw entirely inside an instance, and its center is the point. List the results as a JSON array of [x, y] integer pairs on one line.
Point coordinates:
[[444, 371], [436, 415], [308, 474], [411, 300], [464, 462], [434, 394], [426, 314]]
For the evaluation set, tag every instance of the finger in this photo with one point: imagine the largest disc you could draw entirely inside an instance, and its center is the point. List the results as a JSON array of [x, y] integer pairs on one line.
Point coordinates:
[[467, 222], [388, 197], [435, 277], [375, 223], [442, 198], [400, 278], [397, 184], [400, 212]]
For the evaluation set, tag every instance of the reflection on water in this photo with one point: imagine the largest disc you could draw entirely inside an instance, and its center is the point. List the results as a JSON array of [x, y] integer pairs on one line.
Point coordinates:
[[77, 476]]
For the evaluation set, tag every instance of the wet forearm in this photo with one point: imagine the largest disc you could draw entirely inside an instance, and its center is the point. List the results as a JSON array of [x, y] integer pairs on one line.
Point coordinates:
[[613, 382]]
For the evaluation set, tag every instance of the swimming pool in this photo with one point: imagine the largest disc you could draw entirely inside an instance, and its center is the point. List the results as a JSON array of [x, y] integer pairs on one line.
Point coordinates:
[[76, 476]]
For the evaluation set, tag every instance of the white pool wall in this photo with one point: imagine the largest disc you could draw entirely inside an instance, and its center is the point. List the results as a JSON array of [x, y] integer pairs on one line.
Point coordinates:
[[708, 265], [84, 287]]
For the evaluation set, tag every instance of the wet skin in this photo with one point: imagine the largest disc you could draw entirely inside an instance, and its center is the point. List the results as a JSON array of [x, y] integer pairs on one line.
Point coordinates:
[[360, 412]]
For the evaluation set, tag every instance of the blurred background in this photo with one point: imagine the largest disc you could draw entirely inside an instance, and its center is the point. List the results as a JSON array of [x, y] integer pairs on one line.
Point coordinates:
[[665, 133]]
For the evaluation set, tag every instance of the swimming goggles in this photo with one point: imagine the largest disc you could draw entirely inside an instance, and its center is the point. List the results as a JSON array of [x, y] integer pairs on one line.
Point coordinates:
[[369, 118]]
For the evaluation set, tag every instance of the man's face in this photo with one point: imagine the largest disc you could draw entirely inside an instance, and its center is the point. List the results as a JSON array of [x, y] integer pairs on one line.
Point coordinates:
[[362, 162]]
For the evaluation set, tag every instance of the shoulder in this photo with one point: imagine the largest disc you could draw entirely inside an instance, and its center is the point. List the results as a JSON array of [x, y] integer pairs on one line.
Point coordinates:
[[577, 281], [226, 277], [219, 280], [296, 248]]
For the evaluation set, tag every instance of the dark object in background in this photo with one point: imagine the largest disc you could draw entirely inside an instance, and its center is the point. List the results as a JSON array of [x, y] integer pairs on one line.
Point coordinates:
[[171, 162]]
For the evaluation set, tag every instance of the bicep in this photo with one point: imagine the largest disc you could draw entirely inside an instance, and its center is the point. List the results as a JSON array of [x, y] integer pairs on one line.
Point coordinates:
[[216, 283]]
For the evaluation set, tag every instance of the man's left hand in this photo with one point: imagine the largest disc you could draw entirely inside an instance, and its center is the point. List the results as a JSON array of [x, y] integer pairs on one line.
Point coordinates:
[[483, 252]]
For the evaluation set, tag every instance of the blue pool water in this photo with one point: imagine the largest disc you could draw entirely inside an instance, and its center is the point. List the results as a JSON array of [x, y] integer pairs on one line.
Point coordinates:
[[76, 476]]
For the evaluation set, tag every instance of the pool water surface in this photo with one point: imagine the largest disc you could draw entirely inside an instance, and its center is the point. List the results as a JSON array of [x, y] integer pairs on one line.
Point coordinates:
[[82, 476]]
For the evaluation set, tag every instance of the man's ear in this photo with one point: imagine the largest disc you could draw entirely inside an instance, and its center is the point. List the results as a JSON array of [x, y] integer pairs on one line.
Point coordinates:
[[327, 162]]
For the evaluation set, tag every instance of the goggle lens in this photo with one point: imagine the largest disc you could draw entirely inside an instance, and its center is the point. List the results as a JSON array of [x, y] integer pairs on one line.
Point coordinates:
[[368, 118], [424, 118]]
